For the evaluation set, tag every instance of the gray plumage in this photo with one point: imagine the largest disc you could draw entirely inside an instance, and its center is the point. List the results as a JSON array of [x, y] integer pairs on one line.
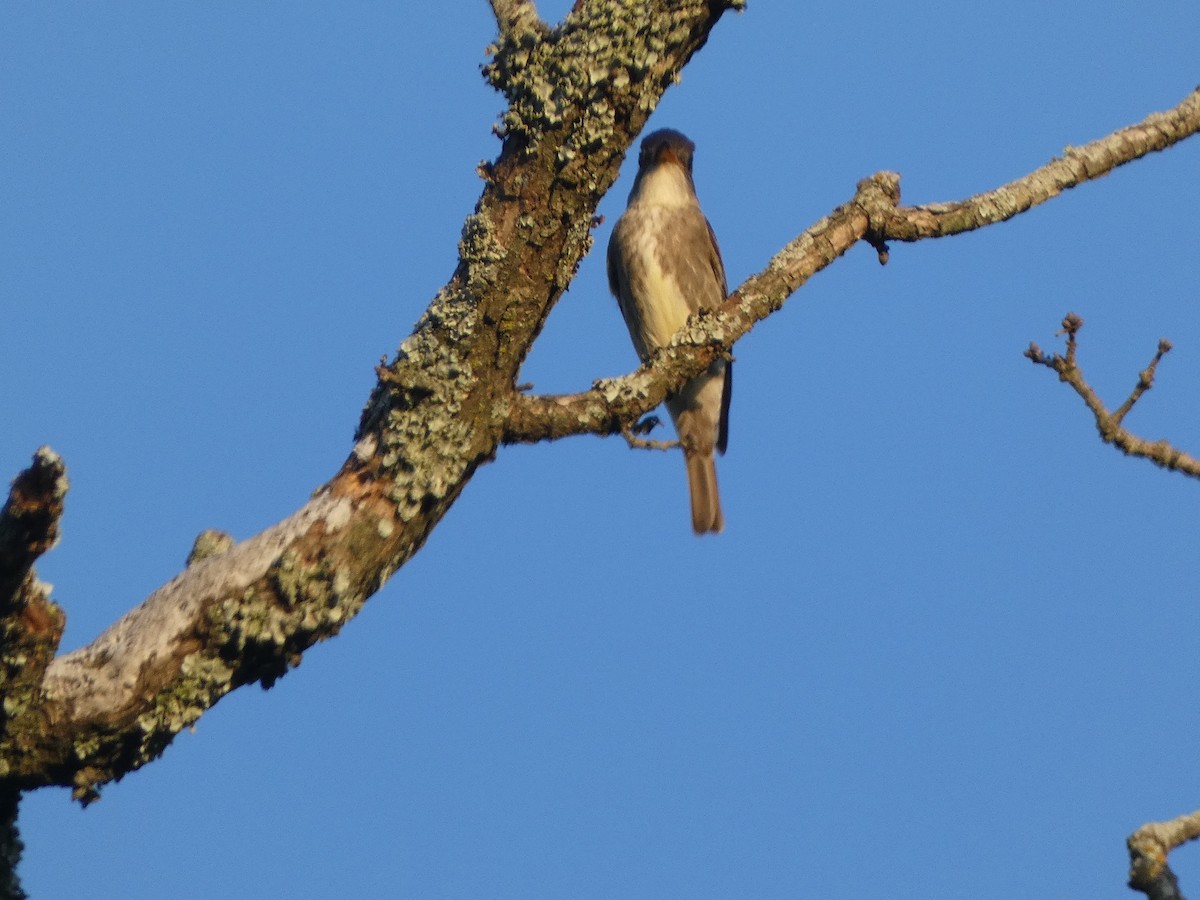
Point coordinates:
[[663, 266]]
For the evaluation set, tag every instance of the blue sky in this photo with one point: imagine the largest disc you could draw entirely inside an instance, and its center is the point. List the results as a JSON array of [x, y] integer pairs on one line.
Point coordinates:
[[946, 643]]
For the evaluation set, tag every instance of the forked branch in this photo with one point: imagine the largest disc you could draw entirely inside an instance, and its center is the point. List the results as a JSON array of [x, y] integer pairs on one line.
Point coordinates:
[[1110, 424]]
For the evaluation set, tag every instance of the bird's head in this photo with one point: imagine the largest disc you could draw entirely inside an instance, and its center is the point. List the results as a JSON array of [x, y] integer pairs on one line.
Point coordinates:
[[666, 146], [665, 170]]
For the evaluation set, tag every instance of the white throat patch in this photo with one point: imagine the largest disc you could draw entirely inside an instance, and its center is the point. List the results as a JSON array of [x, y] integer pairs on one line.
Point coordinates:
[[665, 185]]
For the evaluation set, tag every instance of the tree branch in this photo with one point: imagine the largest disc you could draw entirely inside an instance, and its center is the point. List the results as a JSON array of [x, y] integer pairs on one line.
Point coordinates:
[[31, 626], [1157, 131], [578, 95], [615, 404], [246, 613], [515, 18], [873, 214], [1109, 425], [1148, 849], [29, 521], [11, 846]]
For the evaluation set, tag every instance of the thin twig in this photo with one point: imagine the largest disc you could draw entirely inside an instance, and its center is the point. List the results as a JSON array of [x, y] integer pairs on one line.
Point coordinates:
[[1145, 380], [640, 443], [1161, 453]]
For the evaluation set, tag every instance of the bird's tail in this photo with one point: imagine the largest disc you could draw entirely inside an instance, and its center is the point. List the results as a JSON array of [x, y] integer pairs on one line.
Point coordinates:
[[706, 501]]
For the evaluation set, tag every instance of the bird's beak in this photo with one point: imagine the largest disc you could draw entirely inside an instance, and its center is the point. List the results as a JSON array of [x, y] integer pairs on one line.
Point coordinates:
[[667, 154]]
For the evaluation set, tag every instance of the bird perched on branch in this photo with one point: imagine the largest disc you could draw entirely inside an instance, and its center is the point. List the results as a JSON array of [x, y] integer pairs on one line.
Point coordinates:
[[664, 265]]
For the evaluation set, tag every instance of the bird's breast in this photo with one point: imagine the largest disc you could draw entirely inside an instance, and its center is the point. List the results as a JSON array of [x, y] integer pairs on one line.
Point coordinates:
[[655, 306]]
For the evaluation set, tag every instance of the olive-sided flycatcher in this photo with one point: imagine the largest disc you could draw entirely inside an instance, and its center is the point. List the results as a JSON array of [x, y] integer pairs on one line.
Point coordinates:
[[664, 265]]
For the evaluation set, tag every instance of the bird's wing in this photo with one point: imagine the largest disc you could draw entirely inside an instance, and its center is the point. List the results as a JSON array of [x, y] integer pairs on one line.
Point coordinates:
[[718, 266], [618, 284], [616, 272], [718, 269], [695, 260]]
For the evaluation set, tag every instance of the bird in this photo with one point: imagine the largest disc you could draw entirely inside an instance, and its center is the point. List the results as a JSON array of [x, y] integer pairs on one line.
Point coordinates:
[[664, 265]]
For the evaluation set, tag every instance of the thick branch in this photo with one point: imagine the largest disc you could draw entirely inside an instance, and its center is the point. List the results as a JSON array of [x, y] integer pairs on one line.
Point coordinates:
[[247, 613], [11, 846], [578, 95], [1148, 849], [1109, 423], [30, 518], [31, 625]]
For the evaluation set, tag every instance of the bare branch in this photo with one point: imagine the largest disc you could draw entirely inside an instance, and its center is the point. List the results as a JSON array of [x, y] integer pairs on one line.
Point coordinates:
[[1145, 381], [873, 214], [1109, 423], [1157, 131], [1148, 850]]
